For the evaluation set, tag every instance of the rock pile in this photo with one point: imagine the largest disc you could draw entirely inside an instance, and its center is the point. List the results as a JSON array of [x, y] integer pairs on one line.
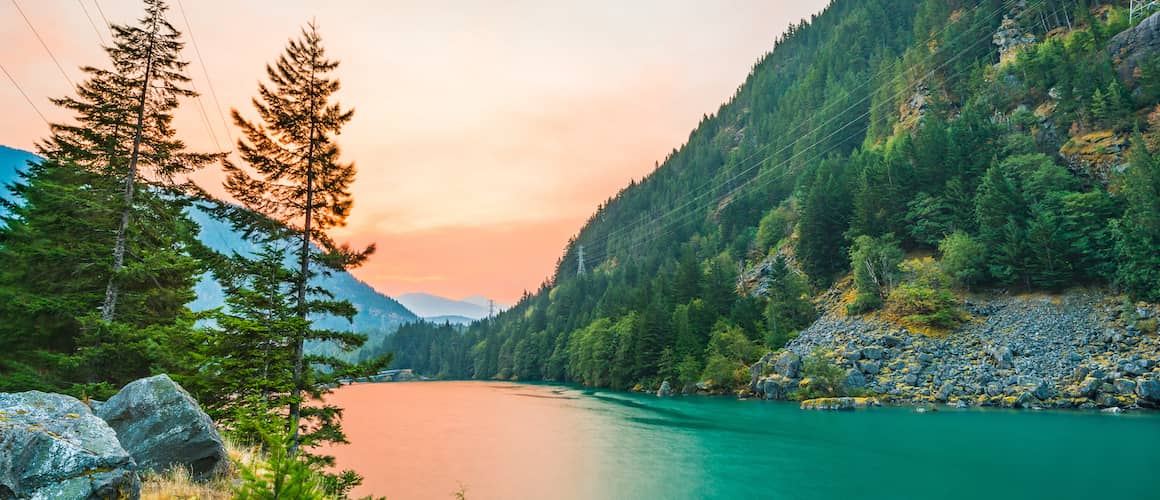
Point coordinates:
[[1057, 352]]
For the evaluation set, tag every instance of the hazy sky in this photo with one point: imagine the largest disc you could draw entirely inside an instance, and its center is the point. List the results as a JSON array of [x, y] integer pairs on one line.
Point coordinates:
[[485, 132]]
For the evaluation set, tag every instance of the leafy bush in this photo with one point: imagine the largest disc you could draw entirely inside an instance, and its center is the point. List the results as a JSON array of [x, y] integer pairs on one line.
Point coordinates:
[[964, 260], [729, 354], [825, 379], [924, 299], [875, 262], [775, 226]]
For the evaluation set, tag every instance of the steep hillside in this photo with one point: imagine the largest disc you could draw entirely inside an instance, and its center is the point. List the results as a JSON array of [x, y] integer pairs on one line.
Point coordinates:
[[925, 149], [377, 313]]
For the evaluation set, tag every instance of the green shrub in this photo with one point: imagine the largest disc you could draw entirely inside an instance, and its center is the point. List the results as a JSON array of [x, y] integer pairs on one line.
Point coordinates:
[[281, 476], [875, 263], [864, 303], [924, 298], [964, 260], [825, 379]]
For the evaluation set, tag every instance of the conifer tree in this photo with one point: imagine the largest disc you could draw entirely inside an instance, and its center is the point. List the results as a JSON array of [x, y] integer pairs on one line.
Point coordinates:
[[1137, 233], [298, 180], [107, 183], [125, 128]]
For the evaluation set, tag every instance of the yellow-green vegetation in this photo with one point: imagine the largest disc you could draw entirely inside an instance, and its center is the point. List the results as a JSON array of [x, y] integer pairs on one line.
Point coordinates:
[[924, 299], [839, 403], [179, 484], [253, 474], [821, 377]]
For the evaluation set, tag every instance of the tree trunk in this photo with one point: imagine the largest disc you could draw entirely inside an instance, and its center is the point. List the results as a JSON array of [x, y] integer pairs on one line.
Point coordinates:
[[304, 269], [112, 289]]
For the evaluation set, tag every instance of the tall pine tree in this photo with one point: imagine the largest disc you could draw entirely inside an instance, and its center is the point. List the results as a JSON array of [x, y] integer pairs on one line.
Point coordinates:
[[124, 127], [298, 180], [101, 226]]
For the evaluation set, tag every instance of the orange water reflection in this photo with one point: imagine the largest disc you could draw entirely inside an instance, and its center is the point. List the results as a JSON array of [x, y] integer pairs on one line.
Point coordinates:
[[424, 440]]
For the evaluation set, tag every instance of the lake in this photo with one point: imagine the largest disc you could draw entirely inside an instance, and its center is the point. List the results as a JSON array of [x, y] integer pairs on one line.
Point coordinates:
[[496, 440]]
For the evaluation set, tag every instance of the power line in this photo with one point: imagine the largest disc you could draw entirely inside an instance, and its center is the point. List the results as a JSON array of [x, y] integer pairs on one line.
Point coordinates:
[[608, 237], [705, 192], [42, 44], [21, 90], [92, 23], [102, 13], [208, 80]]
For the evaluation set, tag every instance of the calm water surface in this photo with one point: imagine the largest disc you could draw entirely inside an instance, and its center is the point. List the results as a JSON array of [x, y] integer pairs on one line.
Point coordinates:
[[497, 440]]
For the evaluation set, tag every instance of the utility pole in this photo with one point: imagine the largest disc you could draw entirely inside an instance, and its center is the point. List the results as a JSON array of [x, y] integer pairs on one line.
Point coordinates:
[[580, 265], [490, 308]]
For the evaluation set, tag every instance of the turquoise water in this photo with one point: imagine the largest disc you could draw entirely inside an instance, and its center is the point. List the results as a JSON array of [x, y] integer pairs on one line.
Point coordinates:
[[516, 441], [695, 447]]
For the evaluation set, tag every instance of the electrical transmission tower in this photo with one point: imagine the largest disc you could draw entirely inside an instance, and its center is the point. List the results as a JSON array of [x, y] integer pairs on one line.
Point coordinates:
[[1140, 6], [580, 265]]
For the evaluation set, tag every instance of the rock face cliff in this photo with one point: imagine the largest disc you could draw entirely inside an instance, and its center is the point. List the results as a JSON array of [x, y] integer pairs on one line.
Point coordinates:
[[1071, 350], [1132, 48]]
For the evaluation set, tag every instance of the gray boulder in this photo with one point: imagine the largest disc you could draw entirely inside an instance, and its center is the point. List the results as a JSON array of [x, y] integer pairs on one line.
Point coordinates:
[[872, 352], [1148, 392], [1002, 356], [869, 367], [775, 387], [946, 391], [665, 390], [1043, 391], [855, 379], [52, 446], [787, 365], [162, 426]]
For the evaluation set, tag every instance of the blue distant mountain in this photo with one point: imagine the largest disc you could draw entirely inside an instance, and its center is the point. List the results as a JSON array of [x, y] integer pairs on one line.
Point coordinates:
[[12, 162], [378, 314]]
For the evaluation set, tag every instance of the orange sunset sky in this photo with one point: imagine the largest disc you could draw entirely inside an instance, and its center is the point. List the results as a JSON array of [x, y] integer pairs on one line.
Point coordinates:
[[485, 132]]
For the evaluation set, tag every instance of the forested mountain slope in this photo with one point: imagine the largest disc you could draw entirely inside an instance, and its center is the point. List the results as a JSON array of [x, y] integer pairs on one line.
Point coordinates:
[[931, 147]]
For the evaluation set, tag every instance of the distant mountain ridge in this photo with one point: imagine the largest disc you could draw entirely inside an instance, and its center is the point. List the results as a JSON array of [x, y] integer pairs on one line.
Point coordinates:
[[377, 315], [436, 308]]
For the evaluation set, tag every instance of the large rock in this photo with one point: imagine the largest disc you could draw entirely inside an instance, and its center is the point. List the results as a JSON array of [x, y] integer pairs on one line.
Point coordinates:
[[162, 426], [665, 390], [757, 370], [872, 352], [1002, 356], [1148, 392], [787, 365], [855, 379], [869, 367], [52, 446], [775, 387], [1131, 48], [1043, 391], [838, 404]]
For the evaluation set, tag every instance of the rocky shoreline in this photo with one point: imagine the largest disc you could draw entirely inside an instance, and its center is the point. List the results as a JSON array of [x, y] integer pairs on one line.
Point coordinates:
[[1073, 350]]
